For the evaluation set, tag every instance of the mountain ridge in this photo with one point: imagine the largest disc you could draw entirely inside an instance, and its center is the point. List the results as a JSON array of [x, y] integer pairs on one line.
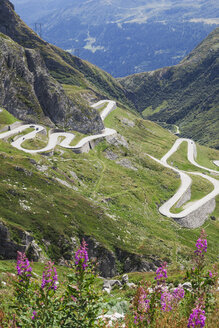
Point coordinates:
[[185, 94]]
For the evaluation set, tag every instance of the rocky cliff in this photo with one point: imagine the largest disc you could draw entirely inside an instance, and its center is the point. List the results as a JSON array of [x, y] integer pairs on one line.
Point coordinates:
[[30, 93]]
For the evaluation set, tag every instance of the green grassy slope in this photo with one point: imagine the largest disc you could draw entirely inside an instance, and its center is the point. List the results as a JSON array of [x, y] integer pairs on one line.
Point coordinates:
[[6, 118], [113, 200], [186, 94]]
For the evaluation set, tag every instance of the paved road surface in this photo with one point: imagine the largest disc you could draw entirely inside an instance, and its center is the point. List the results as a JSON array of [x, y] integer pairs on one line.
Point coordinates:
[[191, 154], [108, 109], [186, 181], [54, 137]]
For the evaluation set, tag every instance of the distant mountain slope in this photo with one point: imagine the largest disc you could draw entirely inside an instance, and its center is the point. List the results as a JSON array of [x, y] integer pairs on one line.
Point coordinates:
[[49, 62], [123, 36], [64, 67], [186, 94]]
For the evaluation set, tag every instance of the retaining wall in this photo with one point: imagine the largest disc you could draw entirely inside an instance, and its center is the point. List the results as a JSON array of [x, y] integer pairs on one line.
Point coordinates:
[[88, 145], [198, 217]]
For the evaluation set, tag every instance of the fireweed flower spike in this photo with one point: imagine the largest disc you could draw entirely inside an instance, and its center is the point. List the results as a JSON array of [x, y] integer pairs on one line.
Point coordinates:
[[50, 277], [23, 266], [197, 318], [166, 301], [178, 293], [143, 306], [201, 244], [161, 274], [81, 256]]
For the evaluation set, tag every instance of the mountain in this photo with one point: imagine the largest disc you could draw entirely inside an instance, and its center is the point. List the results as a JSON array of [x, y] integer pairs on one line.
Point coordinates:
[[110, 196], [29, 92], [123, 37], [186, 95], [42, 67]]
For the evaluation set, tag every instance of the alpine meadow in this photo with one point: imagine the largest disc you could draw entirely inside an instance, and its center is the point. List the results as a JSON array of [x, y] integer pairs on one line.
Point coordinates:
[[109, 186]]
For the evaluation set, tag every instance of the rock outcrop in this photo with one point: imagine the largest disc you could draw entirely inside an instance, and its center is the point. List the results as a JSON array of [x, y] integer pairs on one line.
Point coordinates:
[[27, 244], [28, 91], [197, 218], [108, 261]]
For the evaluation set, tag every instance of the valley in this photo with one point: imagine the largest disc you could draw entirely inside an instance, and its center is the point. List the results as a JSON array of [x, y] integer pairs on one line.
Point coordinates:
[[128, 186], [109, 187], [123, 37]]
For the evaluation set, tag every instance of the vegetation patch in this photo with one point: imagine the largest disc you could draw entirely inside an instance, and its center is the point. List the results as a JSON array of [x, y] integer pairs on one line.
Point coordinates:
[[6, 118], [39, 141], [206, 156], [149, 110]]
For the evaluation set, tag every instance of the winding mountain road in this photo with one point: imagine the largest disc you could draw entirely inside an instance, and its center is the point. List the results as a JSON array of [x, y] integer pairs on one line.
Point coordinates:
[[186, 181], [68, 137], [191, 154]]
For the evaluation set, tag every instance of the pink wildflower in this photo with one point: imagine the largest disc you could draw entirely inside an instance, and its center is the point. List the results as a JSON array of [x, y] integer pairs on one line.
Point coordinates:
[[197, 318], [143, 306], [201, 244], [81, 256], [50, 277], [23, 266], [178, 293], [166, 301], [170, 299], [161, 274], [34, 315]]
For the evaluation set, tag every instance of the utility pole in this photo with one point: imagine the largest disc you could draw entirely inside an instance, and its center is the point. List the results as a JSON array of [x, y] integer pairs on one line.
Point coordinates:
[[77, 52], [38, 28]]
